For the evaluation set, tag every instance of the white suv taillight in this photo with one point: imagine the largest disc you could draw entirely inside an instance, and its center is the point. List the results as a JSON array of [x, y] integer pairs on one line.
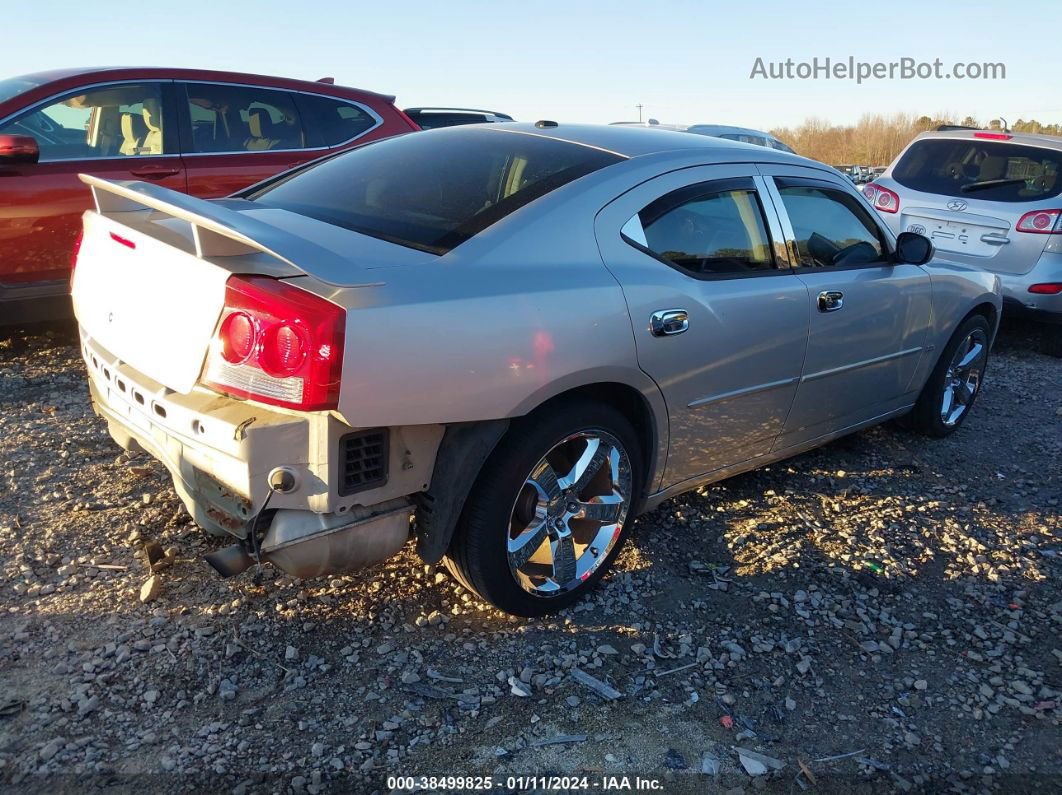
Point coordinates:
[[277, 344], [883, 199], [1041, 222]]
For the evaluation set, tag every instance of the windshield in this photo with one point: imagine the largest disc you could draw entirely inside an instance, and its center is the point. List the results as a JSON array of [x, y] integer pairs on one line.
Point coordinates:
[[433, 191], [13, 86], [996, 171]]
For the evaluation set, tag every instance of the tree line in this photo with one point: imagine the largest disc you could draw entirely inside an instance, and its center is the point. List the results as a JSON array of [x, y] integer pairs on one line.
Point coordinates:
[[876, 138]]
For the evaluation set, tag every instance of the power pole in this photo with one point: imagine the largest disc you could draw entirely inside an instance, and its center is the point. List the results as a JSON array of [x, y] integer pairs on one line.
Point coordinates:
[[639, 106]]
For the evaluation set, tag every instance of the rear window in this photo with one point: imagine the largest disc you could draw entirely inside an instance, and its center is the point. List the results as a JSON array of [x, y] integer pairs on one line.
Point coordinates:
[[433, 191], [976, 169]]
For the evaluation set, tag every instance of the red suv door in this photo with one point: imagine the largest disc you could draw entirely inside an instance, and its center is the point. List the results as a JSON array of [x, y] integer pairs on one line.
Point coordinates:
[[124, 130], [236, 135]]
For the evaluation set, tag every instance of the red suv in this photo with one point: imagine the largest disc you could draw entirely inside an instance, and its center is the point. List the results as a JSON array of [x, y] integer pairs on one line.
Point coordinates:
[[205, 133]]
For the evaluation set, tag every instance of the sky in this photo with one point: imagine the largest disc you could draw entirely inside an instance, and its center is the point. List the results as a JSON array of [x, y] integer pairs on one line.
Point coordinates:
[[580, 61]]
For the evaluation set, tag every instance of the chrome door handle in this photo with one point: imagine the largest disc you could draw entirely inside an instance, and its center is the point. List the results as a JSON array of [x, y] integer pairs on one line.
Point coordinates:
[[994, 239], [830, 300], [668, 322]]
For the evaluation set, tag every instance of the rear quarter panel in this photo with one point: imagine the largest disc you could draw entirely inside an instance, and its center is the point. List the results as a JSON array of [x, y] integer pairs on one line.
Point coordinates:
[[957, 291], [491, 330]]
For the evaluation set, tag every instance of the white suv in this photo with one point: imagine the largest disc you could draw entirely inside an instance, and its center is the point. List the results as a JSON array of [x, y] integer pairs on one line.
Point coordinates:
[[988, 199]]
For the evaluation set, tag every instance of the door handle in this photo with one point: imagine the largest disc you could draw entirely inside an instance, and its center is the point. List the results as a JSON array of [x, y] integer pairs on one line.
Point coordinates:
[[668, 322], [994, 239], [154, 172], [830, 300]]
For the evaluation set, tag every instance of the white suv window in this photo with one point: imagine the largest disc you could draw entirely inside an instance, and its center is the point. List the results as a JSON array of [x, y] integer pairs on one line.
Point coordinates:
[[978, 169]]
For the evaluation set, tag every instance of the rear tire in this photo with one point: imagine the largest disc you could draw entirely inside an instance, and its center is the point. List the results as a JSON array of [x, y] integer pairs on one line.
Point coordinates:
[[953, 386], [538, 532]]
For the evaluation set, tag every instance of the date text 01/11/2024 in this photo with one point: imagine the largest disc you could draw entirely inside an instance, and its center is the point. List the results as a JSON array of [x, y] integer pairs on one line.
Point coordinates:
[[522, 783]]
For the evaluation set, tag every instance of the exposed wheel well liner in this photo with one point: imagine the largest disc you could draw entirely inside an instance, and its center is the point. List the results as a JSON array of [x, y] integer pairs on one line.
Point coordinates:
[[466, 446]]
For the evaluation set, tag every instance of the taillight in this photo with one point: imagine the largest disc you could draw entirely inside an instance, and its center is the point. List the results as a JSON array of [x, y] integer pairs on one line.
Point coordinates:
[[1047, 288], [1041, 222], [238, 335], [883, 199], [73, 257], [277, 344], [993, 136]]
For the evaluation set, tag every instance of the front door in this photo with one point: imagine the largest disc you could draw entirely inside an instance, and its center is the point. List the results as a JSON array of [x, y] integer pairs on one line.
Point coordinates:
[[121, 131], [870, 316], [720, 322]]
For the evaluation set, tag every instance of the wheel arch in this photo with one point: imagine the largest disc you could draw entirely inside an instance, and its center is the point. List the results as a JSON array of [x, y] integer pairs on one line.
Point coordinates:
[[465, 448]]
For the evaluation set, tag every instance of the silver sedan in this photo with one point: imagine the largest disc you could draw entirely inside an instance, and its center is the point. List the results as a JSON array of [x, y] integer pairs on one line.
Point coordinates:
[[507, 342]]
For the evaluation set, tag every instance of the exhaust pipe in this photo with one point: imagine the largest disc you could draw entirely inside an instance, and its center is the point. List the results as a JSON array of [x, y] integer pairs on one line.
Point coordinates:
[[230, 561]]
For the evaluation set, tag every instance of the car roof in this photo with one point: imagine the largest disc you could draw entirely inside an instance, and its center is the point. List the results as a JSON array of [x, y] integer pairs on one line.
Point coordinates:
[[1028, 139], [53, 81], [631, 141]]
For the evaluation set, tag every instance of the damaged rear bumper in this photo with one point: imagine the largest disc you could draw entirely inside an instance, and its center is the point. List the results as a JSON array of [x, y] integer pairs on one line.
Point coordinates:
[[220, 452]]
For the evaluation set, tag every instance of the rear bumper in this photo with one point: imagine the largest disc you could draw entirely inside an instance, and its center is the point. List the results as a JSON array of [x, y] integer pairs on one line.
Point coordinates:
[[1016, 309], [1017, 300], [220, 451], [34, 303]]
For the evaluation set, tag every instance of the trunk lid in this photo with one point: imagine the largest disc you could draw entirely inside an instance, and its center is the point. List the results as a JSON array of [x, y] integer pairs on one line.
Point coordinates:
[[149, 282]]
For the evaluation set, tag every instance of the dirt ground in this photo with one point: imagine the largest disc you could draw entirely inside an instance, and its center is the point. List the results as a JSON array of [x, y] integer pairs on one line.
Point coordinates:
[[883, 613]]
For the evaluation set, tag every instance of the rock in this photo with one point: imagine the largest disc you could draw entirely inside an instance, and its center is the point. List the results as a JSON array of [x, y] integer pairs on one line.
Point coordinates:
[[921, 684], [606, 649], [410, 677], [151, 589], [757, 764], [519, 688], [52, 748], [710, 765], [291, 653], [88, 706]]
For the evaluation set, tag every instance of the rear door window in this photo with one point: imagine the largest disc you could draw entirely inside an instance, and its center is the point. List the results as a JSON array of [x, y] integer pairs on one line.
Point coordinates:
[[979, 169], [330, 122], [433, 192], [230, 118], [709, 229]]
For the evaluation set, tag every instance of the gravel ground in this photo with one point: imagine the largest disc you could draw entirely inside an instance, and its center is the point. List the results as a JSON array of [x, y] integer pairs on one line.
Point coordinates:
[[887, 598]]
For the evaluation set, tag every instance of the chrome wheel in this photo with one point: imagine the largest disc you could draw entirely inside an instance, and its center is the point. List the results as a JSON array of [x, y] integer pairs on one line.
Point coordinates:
[[963, 377], [569, 513]]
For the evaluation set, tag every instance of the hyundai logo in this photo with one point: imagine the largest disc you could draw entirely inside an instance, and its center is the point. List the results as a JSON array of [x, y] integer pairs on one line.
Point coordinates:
[[958, 205]]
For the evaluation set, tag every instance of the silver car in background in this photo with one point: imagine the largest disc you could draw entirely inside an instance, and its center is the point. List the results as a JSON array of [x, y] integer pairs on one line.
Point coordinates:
[[727, 132], [507, 341], [989, 199]]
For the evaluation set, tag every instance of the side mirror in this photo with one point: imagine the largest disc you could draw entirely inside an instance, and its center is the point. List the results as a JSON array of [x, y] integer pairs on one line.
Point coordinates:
[[19, 149], [913, 248]]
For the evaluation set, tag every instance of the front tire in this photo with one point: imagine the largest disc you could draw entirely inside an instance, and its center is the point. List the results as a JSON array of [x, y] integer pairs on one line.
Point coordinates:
[[550, 510], [953, 386]]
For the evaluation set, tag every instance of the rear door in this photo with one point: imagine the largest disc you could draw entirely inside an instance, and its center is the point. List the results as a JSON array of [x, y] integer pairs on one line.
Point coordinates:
[[968, 194], [720, 322], [237, 135], [869, 316], [117, 131]]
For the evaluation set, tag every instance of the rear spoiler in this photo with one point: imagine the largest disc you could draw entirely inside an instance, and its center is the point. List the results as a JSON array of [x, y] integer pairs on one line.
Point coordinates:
[[218, 231]]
